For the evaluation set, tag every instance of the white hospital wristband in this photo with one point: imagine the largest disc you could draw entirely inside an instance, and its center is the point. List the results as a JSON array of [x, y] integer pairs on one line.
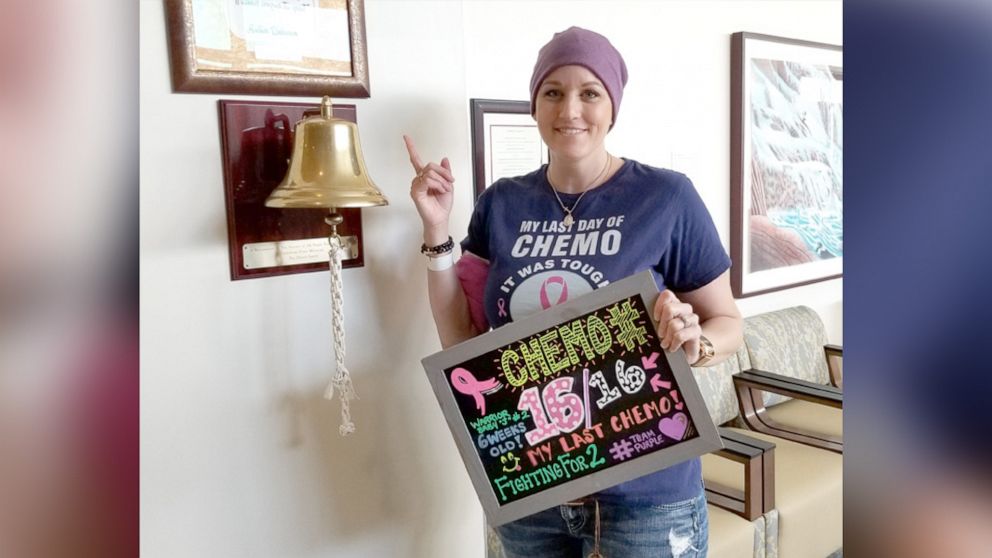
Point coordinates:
[[440, 263]]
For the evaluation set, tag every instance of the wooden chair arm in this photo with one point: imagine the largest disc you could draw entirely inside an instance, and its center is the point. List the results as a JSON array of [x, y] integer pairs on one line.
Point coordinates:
[[835, 355], [791, 387], [750, 385], [758, 458]]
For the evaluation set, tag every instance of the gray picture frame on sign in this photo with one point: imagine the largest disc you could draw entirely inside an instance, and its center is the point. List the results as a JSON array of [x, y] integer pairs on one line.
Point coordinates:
[[705, 440]]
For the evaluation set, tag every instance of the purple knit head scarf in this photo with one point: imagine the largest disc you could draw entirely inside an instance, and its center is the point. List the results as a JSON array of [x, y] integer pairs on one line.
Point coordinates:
[[583, 48]]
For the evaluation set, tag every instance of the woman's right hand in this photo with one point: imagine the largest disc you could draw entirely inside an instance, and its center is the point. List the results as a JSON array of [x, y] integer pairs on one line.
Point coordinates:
[[431, 191]]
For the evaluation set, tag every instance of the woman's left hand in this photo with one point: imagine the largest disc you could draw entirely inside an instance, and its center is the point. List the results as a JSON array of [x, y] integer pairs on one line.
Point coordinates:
[[678, 326]]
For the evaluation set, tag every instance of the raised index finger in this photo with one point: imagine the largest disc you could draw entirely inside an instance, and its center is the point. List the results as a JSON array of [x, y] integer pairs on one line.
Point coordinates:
[[414, 156]]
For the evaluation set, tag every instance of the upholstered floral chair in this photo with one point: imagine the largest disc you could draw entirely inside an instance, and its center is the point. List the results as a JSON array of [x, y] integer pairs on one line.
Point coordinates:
[[791, 387], [788, 393]]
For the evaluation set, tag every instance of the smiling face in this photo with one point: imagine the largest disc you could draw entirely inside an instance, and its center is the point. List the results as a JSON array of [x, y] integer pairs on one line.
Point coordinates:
[[573, 112]]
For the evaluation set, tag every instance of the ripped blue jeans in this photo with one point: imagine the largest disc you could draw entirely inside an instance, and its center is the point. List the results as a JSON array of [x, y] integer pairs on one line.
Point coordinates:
[[677, 530]]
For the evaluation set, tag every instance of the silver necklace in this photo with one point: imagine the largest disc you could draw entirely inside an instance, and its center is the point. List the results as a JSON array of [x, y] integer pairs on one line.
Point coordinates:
[[568, 220]]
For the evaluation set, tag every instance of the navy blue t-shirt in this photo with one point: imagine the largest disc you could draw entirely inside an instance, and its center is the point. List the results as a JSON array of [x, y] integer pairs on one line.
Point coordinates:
[[641, 218]]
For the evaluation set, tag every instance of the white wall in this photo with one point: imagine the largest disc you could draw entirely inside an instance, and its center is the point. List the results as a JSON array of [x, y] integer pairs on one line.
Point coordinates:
[[240, 454]]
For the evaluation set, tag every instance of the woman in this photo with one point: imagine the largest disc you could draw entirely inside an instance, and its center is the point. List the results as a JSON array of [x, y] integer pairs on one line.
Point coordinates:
[[586, 219]]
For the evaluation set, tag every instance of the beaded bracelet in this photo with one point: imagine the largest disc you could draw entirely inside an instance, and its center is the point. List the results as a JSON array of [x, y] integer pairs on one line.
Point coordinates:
[[442, 248]]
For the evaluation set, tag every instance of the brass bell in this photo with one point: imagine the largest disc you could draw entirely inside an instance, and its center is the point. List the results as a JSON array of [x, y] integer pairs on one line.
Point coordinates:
[[327, 168]]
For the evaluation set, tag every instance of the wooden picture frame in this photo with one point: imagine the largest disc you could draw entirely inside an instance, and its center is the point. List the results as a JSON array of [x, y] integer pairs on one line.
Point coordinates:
[[504, 139], [263, 47], [786, 152]]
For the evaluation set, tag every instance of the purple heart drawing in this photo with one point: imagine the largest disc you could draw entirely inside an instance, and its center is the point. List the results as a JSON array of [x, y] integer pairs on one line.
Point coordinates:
[[675, 426]]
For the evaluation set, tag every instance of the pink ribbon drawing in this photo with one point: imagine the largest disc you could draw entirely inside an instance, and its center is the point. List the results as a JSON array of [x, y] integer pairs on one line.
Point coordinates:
[[554, 279], [501, 306], [466, 383]]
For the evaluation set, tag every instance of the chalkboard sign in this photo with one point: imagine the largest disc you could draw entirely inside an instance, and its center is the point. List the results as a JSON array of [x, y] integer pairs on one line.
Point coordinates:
[[570, 401]]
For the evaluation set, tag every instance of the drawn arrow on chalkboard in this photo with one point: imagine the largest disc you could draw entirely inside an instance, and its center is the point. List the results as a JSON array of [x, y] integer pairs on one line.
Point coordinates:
[[649, 362], [657, 384]]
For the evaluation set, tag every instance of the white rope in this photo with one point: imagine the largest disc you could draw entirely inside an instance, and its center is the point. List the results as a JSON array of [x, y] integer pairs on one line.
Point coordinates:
[[342, 378]]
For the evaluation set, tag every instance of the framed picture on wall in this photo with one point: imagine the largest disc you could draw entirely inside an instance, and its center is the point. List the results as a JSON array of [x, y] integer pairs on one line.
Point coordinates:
[[786, 153], [505, 141], [306, 48]]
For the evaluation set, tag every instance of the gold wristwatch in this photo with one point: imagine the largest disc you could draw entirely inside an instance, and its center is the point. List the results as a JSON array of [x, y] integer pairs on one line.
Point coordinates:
[[706, 351]]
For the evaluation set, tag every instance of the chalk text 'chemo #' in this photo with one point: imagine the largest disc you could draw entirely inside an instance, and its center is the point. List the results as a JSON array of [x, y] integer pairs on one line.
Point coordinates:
[[551, 352]]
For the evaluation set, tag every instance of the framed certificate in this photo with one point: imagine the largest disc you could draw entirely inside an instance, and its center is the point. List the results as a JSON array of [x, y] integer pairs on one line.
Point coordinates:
[[266, 47], [505, 141]]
